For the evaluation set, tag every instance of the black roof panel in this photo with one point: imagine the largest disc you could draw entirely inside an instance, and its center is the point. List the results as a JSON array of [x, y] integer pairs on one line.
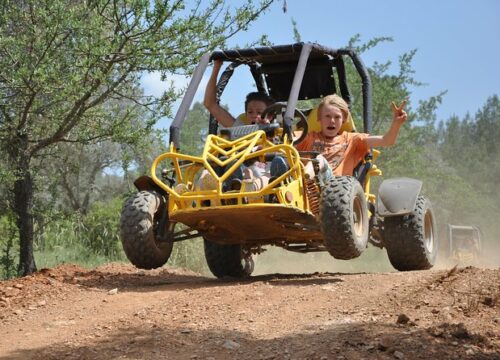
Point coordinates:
[[273, 54], [278, 65]]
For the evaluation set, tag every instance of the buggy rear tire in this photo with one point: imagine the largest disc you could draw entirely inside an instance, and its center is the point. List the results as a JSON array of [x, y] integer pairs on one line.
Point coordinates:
[[344, 217], [411, 240], [139, 222], [227, 260]]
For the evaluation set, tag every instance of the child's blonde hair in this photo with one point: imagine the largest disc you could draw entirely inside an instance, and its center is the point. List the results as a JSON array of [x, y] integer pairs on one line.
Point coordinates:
[[337, 101]]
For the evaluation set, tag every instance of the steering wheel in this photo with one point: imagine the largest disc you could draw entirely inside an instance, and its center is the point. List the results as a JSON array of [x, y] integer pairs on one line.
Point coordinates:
[[277, 108]]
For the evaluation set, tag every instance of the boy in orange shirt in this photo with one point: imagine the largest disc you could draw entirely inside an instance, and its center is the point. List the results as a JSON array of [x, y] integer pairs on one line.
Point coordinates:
[[340, 153]]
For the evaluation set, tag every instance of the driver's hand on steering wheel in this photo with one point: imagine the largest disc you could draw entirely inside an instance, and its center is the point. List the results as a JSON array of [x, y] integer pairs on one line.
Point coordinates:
[[297, 133], [260, 120]]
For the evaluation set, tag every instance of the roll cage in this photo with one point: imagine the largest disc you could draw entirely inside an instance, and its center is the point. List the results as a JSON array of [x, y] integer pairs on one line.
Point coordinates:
[[472, 235], [288, 73]]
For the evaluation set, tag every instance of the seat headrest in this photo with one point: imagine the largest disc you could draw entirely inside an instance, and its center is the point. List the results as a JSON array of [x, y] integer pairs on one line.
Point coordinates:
[[243, 118]]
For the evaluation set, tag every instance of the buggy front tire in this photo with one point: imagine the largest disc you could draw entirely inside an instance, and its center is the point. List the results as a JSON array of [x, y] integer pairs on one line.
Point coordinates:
[[227, 260], [411, 240], [139, 223], [344, 217]]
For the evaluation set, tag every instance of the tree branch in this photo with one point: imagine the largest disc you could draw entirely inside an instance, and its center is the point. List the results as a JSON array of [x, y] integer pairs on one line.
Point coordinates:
[[24, 116], [79, 108]]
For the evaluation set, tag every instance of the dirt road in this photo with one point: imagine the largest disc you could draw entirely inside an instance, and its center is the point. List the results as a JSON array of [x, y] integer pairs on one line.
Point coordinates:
[[119, 312]]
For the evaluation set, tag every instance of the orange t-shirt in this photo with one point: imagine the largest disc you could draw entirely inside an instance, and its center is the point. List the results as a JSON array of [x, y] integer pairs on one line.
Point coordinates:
[[343, 152]]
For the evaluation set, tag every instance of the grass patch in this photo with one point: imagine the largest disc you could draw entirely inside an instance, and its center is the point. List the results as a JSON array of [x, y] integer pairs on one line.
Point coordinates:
[[187, 255], [74, 255], [190, 255]]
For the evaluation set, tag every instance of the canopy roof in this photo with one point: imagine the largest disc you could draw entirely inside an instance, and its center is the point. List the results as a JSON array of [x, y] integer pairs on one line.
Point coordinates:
[[278, 65]]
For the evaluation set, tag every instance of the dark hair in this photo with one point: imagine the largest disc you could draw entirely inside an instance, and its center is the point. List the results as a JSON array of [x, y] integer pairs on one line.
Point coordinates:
[[258, 96]]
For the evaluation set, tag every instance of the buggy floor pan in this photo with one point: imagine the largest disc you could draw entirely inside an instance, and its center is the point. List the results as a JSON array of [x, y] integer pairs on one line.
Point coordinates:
[[257, 225]]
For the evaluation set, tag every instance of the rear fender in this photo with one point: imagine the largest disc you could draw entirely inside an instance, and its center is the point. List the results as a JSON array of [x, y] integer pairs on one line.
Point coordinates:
[[397, 196], [145, 183]]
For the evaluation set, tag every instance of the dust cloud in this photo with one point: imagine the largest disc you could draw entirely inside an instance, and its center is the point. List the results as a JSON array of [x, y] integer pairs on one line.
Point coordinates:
[[373, 260], [277, 260]]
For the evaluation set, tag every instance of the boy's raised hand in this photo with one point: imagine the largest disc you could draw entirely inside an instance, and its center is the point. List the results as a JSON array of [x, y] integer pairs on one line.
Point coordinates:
[[218, 64], [399, 114]]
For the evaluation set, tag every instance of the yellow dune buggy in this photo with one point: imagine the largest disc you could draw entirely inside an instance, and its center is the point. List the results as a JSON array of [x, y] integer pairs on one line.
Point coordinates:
[[464, 244], [292, 211]]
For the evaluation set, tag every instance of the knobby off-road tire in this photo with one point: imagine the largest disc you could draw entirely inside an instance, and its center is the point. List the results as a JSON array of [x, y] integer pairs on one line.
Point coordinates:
[[138, 229], [227, 260], [344, 217], [411, 240]]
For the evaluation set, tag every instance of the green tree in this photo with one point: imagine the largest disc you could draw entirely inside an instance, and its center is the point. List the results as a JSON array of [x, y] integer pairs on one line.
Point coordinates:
[[62, 62], [469, 147], [194, 129]]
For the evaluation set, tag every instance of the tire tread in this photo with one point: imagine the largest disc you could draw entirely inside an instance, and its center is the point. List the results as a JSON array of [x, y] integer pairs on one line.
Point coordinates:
[[404, 238], [336, 213], [136, 231]]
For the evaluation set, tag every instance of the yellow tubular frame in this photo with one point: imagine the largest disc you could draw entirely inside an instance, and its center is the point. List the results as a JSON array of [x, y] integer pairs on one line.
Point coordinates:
[[234, 153], [374, 171]]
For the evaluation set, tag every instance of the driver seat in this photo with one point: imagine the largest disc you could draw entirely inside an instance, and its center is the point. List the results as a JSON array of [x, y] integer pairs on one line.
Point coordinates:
[[243, 118]]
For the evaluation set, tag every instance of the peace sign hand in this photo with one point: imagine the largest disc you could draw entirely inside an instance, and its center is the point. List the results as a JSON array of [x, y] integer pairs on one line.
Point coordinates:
[[399, 114]]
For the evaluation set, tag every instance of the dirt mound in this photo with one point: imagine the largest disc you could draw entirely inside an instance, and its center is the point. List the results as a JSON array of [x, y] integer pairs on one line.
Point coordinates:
[[56, 283], [117, 310]]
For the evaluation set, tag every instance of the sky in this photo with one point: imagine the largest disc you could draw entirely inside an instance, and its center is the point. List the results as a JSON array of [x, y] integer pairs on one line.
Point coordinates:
[[457, 42]]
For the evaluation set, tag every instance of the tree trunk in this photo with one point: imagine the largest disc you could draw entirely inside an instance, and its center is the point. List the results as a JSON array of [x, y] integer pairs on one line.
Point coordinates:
[[23, 207]]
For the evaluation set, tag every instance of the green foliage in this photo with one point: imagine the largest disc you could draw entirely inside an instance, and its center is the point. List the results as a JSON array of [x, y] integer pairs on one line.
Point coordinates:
[[296, 33], [102, 229], [69, 73], [73, 176], [88, 240], [195, 127], [470, 147], [8, 253], [84, 239], [77, 254], [386, 86], [189, 255]]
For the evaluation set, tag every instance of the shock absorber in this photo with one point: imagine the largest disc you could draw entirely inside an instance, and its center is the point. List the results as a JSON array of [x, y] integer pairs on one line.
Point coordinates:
[[312, 191]]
